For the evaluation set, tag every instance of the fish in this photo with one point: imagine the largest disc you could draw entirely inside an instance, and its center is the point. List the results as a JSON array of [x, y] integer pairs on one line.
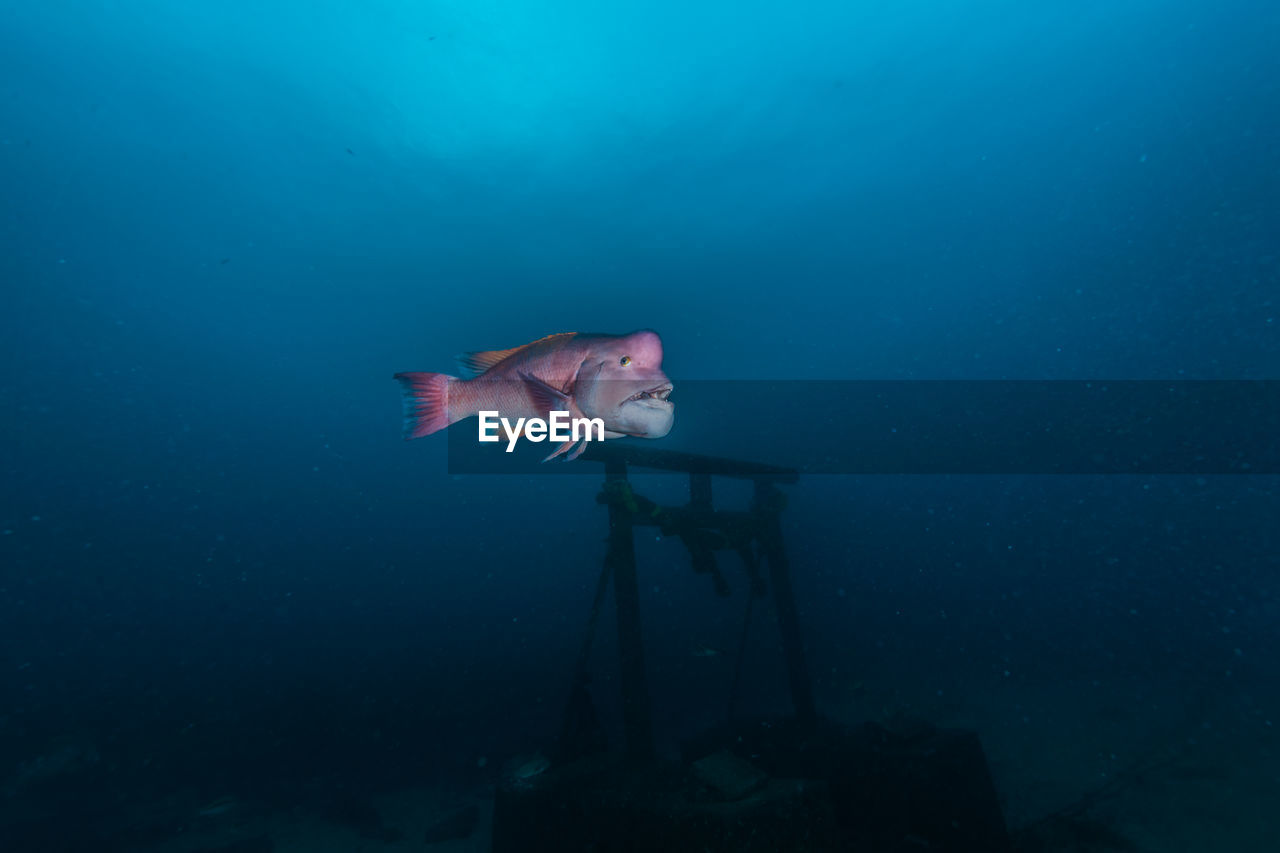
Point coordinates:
[[698, 650], [616, 378]]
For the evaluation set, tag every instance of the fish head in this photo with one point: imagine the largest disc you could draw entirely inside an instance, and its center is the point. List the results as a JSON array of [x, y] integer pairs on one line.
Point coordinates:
[[622, 383]]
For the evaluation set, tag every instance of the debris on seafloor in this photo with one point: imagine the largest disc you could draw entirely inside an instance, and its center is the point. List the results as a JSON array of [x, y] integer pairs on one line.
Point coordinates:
[[729, 776], [521, 770]]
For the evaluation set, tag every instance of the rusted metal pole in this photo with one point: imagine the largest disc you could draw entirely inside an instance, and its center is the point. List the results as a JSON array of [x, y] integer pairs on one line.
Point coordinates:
[[636, 719], [749, 560], [768, 508]]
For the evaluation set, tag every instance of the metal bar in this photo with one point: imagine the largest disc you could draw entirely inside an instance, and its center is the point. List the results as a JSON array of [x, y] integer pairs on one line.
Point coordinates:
[[639, 456], [621, 557], [767, 502], [569, 719], [742, 641]]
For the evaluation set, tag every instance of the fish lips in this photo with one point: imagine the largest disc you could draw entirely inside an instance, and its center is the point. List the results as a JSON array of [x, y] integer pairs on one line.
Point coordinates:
[[649, 413], [655, 397]]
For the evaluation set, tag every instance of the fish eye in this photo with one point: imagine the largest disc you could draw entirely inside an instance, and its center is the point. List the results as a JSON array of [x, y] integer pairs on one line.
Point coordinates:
[[625, 360]]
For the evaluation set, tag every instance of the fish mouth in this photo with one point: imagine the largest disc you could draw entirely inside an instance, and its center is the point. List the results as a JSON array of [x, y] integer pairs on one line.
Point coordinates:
[[654, 396]]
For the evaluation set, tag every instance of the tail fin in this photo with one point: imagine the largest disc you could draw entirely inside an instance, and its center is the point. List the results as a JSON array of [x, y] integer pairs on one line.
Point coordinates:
[[426, 403]]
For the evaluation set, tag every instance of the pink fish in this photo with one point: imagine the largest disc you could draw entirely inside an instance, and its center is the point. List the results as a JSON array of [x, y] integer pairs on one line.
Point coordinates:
[[617, 378]]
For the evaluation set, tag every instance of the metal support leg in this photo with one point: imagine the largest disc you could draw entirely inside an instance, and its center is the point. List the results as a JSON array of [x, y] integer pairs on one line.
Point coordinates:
[[621, 556], [767, 506]]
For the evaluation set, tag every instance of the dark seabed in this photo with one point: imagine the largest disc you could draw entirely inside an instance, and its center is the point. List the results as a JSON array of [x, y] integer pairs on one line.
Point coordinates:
[[238, 613]]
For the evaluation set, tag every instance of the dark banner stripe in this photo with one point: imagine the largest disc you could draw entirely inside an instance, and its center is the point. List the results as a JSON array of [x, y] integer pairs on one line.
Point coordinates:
[[948, 427]]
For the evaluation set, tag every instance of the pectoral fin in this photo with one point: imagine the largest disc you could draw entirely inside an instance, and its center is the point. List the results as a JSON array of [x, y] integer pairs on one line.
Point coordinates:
[[566, 447], [559, 450], [546, 397]]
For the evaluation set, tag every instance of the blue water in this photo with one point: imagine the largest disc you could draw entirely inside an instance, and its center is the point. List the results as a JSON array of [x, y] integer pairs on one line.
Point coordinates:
[[224, 227]]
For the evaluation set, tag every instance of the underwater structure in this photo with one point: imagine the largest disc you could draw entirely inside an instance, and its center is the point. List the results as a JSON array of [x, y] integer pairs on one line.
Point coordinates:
[[799, 782]]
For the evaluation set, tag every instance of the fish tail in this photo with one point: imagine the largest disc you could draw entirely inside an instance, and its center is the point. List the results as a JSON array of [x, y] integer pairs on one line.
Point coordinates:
[[426, 402]]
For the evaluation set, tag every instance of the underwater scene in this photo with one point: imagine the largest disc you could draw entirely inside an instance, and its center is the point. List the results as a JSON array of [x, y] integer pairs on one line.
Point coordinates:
[[756, 426]]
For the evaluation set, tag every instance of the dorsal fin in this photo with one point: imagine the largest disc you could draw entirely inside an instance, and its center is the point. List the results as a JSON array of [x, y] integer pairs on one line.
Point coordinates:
[[476, 363]]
